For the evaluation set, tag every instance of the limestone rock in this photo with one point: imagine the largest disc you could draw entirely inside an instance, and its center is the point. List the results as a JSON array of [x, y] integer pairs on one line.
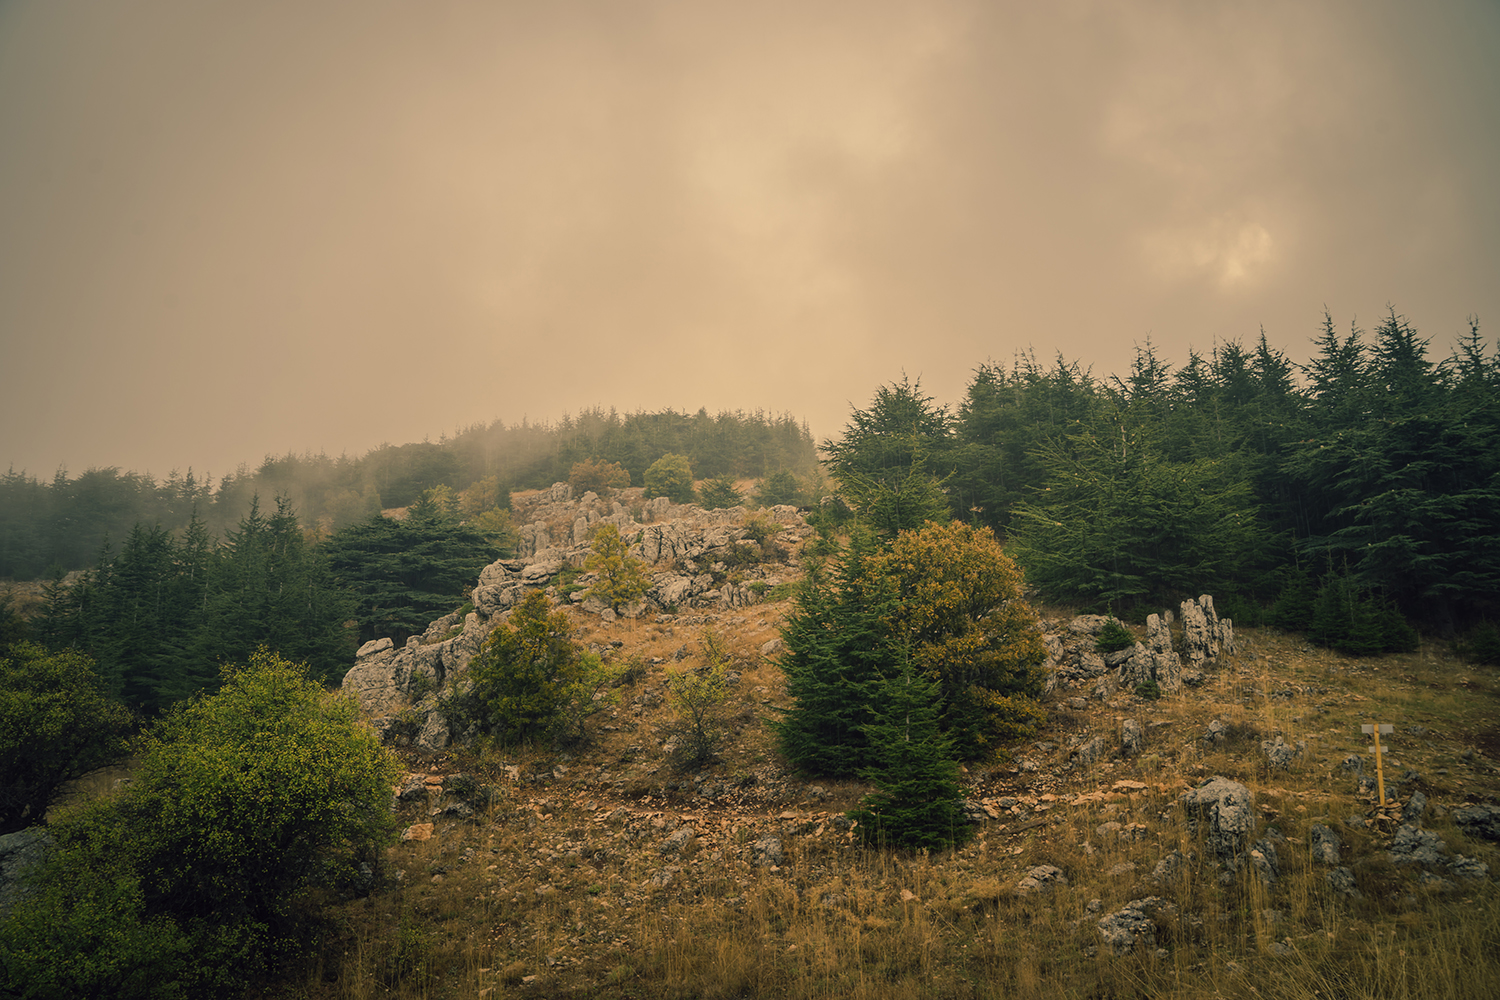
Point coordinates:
[[1341, 881], [1324, 844], [1482, 821], [767, 852], [1224, 810], [1132, 738], [1042, 878], [20, 852], [1416, 846], [1280, 754], [1136, 924]]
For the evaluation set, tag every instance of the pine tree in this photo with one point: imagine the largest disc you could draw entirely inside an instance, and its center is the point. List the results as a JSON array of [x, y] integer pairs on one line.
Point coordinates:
[[919, 803], [837, 646]]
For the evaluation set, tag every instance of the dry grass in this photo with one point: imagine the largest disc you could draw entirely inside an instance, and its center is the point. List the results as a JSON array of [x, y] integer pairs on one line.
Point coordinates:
[[561, 888]]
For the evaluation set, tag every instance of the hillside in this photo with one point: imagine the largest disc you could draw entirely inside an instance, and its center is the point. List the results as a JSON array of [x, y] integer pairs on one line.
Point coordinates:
[[602, 870]]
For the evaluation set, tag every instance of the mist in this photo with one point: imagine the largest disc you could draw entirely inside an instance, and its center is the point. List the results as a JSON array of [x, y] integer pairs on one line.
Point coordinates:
[[234, 230]]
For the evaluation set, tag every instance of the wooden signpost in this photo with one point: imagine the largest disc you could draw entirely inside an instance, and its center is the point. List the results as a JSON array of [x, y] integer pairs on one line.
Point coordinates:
[[1375, 730]]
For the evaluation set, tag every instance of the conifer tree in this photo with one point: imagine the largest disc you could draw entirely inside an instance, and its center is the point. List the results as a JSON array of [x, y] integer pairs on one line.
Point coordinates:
[[837, 645], [918, 801]]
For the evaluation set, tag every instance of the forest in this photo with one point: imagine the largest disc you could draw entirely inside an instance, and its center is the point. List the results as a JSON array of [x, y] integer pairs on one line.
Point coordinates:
[[1356, 498], [59, 525]]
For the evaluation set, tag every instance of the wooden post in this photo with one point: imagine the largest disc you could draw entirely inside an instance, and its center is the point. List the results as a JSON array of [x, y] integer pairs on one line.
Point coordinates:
[[1375, 730]]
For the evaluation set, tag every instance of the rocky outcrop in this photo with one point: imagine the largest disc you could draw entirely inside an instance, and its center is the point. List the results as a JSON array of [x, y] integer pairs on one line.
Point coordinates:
[[691, 552], [1136, 924], [1073, 659]]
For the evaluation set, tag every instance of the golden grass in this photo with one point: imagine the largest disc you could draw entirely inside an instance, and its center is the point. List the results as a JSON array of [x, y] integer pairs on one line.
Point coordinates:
[[554, 894]]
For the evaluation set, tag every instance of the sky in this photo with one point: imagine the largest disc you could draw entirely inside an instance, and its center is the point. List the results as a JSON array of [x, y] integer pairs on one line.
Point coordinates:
[[235, 230]]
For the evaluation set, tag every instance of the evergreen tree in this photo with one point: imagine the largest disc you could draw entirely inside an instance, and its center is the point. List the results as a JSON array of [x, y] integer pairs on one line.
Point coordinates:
[[918, 802], [837, 645], [622, 577], [719, 493]]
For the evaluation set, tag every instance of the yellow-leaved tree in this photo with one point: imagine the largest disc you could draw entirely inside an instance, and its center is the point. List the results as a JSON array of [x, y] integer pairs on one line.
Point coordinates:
[[958, 608]]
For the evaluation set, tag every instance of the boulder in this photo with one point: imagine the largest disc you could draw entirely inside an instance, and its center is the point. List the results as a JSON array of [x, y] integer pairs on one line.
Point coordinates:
[[1482, 821], [1136, 924], [1132, 738], [1223, 811], [1042, 878], [1323, 844], [20, 852]]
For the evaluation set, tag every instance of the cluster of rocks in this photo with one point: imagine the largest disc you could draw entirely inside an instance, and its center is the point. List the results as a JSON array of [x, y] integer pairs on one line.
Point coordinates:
[[1073, 659], [688, 549]]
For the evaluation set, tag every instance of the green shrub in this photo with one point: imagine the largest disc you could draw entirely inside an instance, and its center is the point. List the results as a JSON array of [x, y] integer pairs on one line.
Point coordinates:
[[672, 477], [719, 493], [1113, 637], [55, 725], [1149, 690], [241, 803]]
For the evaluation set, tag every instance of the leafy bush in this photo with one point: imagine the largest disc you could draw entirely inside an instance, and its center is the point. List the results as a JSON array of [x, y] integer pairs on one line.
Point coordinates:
[[1149, 690], [598, 476], [532, 681], [672, 477], [55, 725], [622, 577], [696, 697], [241, 802]]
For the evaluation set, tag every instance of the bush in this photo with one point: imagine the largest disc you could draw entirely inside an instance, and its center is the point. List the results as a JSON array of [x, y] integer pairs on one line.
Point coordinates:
[[779, 488], [1113, 637], [672, 477], [719, 493], [599, 476], [622, 577], [242, 801], [696, 697], [55, 725]]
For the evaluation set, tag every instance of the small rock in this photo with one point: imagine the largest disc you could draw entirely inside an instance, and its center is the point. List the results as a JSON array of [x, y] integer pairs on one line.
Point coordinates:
[[1324, 844], [1042, 878]]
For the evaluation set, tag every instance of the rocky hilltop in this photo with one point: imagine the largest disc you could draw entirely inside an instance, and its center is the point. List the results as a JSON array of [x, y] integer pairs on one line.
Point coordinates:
[[705, 561]]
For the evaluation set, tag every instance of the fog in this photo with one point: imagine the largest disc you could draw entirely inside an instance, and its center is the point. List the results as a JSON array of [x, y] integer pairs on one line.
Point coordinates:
[[228, 230]]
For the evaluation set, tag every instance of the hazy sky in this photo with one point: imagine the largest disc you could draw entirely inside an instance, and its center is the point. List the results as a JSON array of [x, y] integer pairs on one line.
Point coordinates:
[[233, 229]]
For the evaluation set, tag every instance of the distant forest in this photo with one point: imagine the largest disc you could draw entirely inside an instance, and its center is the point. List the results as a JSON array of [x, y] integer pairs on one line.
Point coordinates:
[[51, 527]]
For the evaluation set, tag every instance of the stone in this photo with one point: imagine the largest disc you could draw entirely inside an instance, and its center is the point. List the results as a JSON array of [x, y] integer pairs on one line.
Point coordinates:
[[1482, 821], [767, 852], [1341, 881], [20, 852], [1324, 844], [1169, 870], [1416, 846], [680, 840], [1091, 752], [1415, 806], [1041, 879], [1224, 812], [1469, 868], [1088, 625], [1280, 754], [1264, 861], [373, 648], [1216, 733], [1136, 924], [418, 832], [1132, 738], [434, 733]]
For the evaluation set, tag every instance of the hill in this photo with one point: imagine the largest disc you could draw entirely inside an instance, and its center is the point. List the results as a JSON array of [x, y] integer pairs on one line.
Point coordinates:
[[1223, 840]]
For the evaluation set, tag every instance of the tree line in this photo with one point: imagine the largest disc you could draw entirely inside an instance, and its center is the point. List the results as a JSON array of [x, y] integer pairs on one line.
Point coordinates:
[[1369, 478], [58, 525]]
